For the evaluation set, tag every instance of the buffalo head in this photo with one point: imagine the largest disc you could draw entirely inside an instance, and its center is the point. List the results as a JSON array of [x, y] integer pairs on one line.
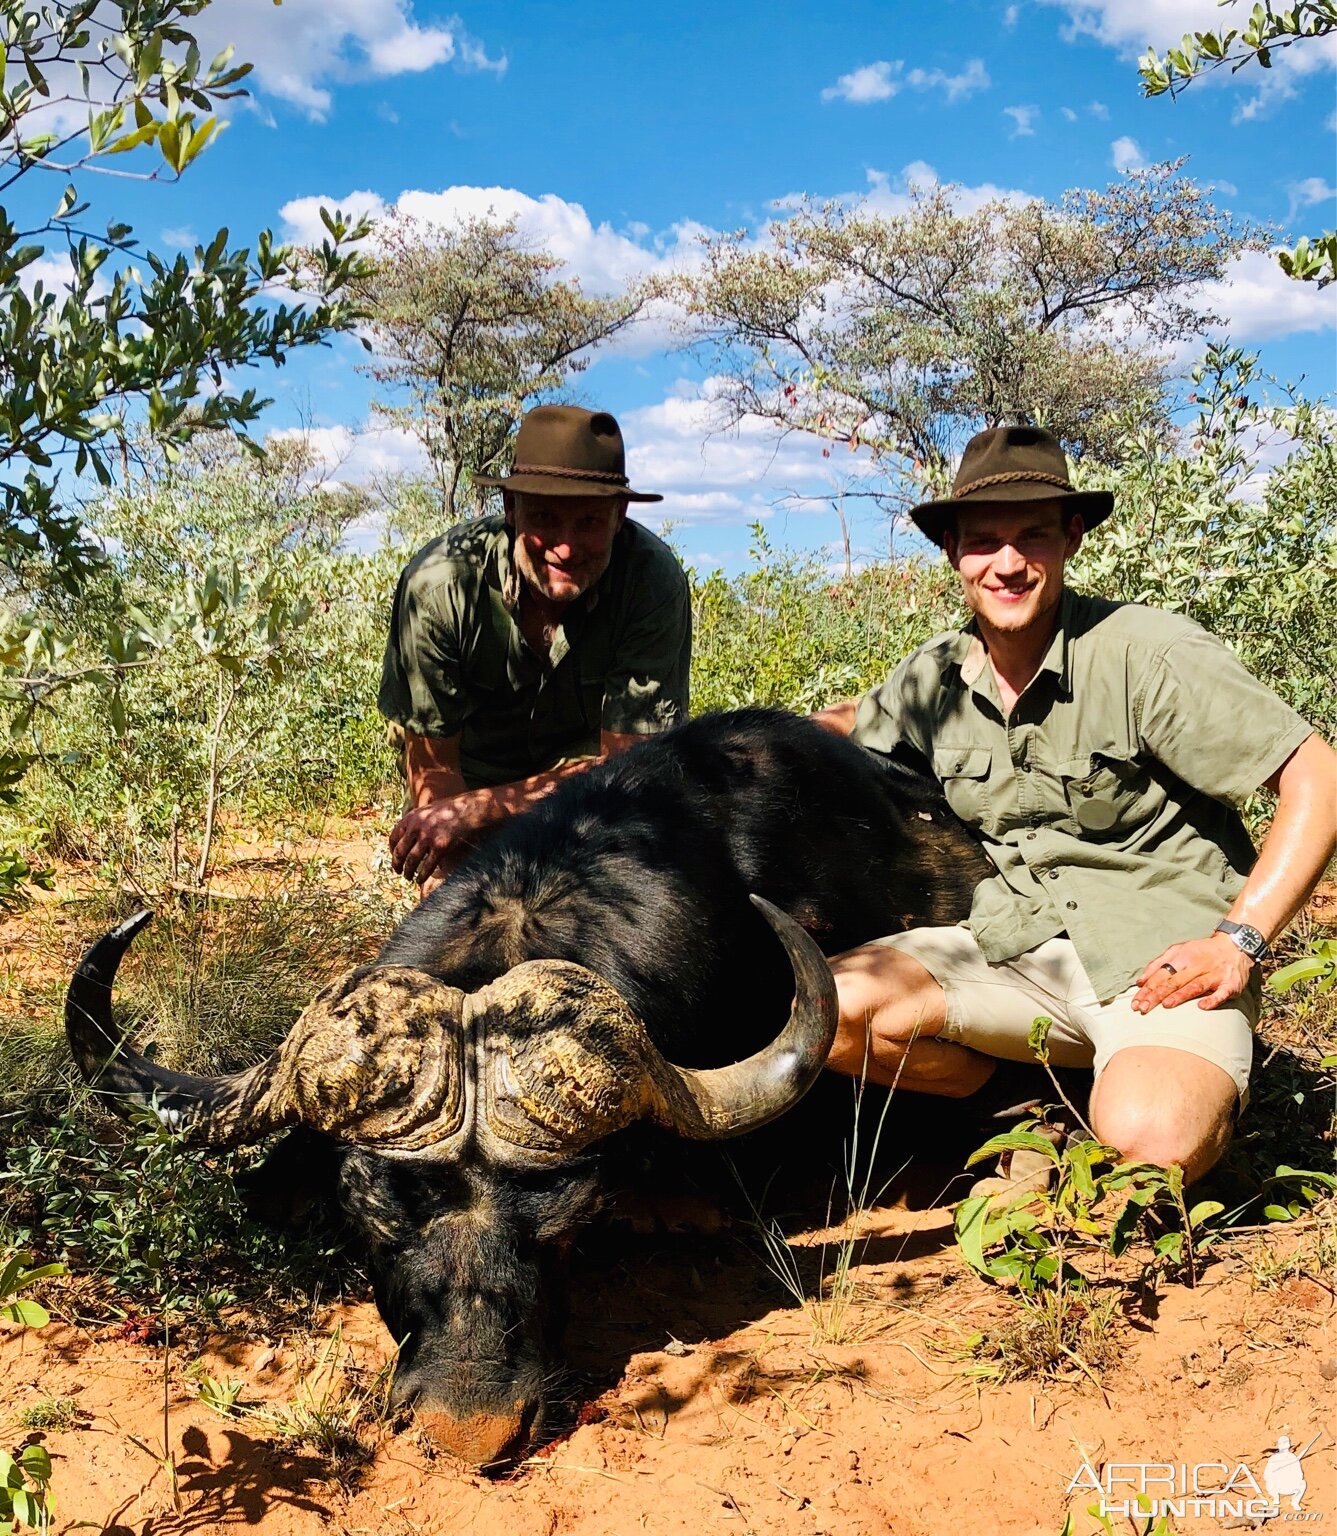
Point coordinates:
[[468, 1123]]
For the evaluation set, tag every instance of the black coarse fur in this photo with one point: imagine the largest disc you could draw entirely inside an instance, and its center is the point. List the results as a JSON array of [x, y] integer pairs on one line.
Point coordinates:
[[639, 869]]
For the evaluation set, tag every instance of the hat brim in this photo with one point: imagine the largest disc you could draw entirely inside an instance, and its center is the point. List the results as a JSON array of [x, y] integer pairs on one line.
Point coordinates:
[[930, 517], [556, 485]]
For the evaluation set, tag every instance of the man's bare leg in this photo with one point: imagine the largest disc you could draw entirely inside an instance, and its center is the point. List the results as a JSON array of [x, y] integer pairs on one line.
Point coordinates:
[[891, 1010]]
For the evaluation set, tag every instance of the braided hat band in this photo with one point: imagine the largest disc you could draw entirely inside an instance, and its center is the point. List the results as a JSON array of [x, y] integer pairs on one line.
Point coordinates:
[[605, 477], [1015, 476]]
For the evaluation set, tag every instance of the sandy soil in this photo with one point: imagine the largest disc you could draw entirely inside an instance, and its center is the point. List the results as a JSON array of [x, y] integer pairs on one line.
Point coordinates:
[[709, 1404], [721, 1411]]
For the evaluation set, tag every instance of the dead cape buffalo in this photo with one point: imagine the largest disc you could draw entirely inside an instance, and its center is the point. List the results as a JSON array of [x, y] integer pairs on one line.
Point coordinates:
[[597, 962]]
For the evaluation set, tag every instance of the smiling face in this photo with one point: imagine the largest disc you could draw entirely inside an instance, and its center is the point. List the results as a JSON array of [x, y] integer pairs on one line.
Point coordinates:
[[563, 543], [1010, 560]]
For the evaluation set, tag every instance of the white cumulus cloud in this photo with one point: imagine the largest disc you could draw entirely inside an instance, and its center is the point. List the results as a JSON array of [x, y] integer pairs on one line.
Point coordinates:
[[1260, 303], [304, 47], [1125, 155], [1023, 121], [882, 80], [870, 82]]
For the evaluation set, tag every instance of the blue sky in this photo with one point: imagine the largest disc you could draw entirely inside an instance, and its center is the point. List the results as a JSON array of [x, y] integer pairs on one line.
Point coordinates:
[[616, 133]]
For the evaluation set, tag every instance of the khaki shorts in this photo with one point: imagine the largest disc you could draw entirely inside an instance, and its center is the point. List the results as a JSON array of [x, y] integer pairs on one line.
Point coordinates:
[[991, 1007]]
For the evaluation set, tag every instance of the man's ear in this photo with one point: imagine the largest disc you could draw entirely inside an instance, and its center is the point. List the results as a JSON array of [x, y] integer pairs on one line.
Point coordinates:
[[508, 507], [951, 547], [621, 516], [1076, 528]]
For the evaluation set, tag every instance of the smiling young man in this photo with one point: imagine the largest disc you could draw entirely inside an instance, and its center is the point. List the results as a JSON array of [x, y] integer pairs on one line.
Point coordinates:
[[1099, 750], [524, 647]]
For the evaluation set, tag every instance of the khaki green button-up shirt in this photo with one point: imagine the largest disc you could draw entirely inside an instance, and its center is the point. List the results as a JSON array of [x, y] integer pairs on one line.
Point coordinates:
[[456, 662], [1106, 799]]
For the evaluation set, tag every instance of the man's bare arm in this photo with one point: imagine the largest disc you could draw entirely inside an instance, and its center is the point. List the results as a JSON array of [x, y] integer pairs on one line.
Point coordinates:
[[837, 718], [446, 815], [1295, 852]]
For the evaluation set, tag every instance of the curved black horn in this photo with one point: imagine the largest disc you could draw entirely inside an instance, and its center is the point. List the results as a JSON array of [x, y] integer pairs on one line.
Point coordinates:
[[726, 1101], [179, 1100]]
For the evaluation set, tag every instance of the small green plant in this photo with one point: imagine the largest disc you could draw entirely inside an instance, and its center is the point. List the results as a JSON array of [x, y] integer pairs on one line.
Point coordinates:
[[1300, 1189], [17, 1276], [222, 1396], [25, 1490], [1032, 1242], [1318, 966], [337, 1408], [50, 1413]]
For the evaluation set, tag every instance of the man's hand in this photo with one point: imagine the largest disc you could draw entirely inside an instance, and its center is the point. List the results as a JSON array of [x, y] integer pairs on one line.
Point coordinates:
[[434, 837], [1213, 970]]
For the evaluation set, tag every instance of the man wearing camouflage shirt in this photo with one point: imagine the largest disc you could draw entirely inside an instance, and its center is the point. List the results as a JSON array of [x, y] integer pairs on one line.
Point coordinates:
[[524, 647]]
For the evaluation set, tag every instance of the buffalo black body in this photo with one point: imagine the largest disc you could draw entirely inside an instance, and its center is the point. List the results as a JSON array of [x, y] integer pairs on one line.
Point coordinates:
[[640, 870]]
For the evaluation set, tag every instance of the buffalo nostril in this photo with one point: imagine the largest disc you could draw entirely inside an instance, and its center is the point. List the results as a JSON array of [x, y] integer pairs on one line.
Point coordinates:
[[483, 1440]]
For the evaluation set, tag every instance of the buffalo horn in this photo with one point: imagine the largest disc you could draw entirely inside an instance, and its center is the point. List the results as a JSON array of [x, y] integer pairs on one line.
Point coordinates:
[[726, 1101], [217, 1110], [374, 1059]]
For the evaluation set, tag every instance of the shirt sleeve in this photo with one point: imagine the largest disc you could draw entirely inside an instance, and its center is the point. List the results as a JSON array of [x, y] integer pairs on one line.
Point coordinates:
[[887, 716], [1211, 722], [421, 686], [647, 686]]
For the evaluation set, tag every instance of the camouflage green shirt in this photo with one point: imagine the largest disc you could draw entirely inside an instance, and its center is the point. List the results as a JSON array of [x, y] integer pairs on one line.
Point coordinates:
[[1106, 799], [456, 662]]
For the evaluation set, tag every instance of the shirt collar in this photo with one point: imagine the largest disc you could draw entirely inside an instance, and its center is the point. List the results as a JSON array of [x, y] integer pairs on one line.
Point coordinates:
[[973, 659]]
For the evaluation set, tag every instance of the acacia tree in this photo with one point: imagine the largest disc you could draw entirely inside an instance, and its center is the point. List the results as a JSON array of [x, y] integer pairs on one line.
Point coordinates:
[[1266, 30], [473, 326], [903, 333], [94, 332]]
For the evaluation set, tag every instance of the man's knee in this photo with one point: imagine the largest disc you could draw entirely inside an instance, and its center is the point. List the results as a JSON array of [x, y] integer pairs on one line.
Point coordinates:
[[1164, 1108], [887, 993]]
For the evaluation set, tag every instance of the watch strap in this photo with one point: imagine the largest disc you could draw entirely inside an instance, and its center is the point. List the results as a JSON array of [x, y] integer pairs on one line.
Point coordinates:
[[1244, 938]]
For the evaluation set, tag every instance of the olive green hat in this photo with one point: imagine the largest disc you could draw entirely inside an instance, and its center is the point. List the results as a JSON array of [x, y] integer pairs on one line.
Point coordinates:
[[1006, 465], [562, 450]]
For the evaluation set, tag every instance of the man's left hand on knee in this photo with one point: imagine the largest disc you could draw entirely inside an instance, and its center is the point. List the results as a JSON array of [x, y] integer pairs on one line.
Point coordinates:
[[1212, 970]]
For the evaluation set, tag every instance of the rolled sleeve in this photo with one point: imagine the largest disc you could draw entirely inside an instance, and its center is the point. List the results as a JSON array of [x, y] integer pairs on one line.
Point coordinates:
[[1211, 722], [885, 717], [646, 690], [421, 686]]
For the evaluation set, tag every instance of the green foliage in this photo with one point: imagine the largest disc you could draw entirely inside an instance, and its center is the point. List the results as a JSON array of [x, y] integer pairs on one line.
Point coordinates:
[[1200, 530], [786, 634], [1318, 966], [1031, 1243], [25, 1490], [232, 647], [1269, 27], [136, 1211], [474, 328], [118, 334]]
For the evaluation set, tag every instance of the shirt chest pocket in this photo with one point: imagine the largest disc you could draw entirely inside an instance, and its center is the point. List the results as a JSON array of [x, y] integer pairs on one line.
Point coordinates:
[[963, 773], [1109, 794]]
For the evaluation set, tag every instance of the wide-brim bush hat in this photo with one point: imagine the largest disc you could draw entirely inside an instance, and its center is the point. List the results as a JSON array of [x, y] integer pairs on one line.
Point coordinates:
[[562, 450], [1006, 465]]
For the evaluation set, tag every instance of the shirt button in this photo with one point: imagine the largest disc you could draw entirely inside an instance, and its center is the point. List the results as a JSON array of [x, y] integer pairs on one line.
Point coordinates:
[[1030, 837], [1072, 906], [1053, 874]]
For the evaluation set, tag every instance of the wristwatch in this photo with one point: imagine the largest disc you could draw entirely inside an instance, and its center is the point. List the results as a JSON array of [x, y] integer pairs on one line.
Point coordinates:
[[1244, 938]]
